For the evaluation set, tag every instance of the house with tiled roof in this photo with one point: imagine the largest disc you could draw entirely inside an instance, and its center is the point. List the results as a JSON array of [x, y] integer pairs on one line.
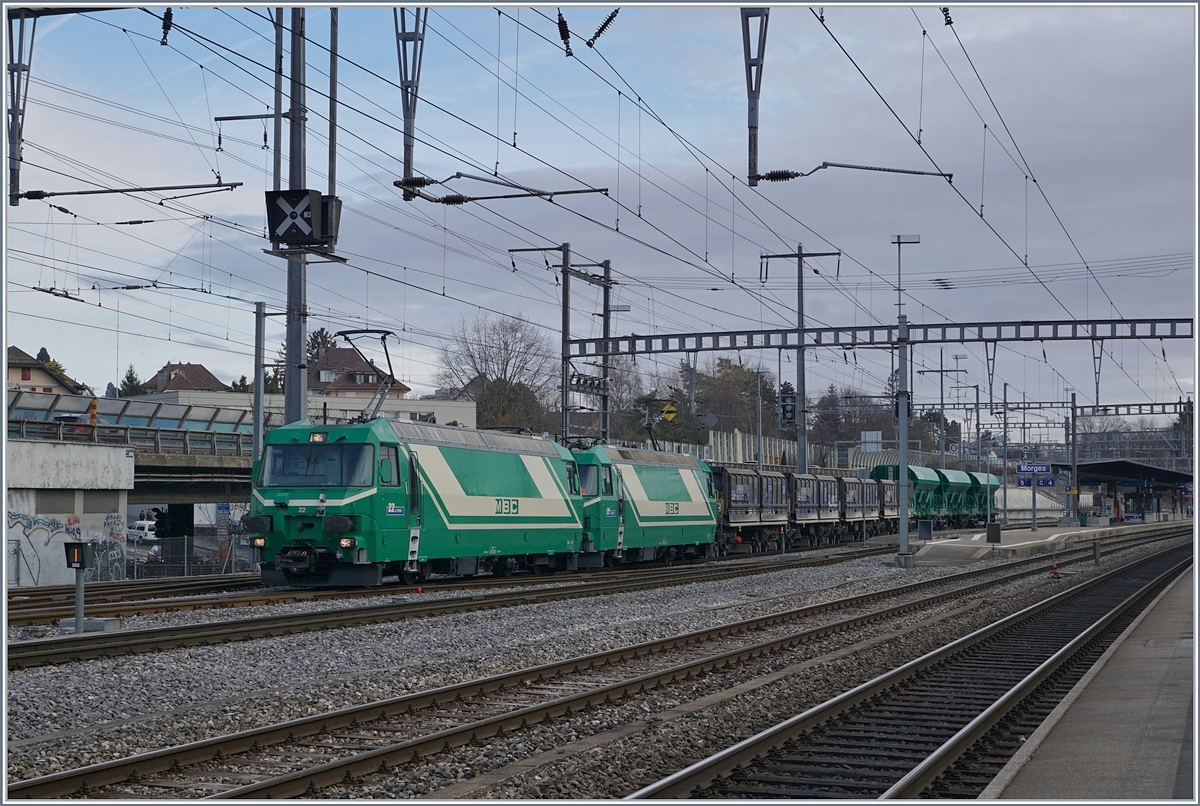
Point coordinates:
[[184, 377], [342, 372], [27, 374]]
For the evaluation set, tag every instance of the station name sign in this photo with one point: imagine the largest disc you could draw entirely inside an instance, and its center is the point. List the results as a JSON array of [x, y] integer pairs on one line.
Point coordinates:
[[1028, 468]]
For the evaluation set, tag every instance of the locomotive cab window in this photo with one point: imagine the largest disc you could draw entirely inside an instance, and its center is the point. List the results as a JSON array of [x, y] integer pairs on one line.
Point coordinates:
[[318, 464], [572, 479], [589, 480], [608, 484], [389, 466]]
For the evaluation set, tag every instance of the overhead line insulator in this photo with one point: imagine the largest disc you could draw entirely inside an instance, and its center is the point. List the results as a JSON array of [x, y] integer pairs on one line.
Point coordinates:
[[564, 32], [607, 22], [166, 26], [454, 199], [778, 176], [415, 182]]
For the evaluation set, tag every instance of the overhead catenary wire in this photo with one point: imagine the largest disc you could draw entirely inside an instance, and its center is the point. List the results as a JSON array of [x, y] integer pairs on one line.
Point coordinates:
[[735, 220], [1037, 184], [930, 156], [318, 91]]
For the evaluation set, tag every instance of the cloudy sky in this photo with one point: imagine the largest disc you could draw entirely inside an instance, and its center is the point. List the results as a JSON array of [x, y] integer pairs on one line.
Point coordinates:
[[1072, 127]]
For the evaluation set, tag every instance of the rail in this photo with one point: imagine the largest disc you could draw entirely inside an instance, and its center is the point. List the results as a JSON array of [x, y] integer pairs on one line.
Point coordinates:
[[875, 708], [68, 648], [567, 686]]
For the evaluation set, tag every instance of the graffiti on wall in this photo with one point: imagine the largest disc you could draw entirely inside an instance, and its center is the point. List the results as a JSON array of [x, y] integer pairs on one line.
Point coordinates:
[[110, 553], [34, 535]]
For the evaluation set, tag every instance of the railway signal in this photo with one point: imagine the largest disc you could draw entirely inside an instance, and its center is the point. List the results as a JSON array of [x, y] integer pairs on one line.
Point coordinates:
[[787, 408]]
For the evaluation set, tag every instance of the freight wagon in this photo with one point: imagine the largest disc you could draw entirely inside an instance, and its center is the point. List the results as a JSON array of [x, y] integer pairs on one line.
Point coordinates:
[[828, 509]]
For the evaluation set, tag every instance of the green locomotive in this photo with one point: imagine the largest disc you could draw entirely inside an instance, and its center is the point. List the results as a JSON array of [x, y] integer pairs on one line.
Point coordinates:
[[346, 505]]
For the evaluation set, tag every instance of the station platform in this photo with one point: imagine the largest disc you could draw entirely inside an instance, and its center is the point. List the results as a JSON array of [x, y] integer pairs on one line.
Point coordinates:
[[1126, 730], [967, 546]]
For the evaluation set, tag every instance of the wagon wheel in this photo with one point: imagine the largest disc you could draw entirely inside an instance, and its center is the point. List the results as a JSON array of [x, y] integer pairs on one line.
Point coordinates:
[[409, 577]]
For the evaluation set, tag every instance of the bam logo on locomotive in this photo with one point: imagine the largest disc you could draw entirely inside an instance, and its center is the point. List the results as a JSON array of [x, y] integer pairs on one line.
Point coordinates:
[[506, 506]]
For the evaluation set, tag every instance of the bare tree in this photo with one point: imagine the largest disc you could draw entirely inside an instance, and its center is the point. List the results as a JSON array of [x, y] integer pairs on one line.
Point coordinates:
[[505, 403], [510, 349], [1102, 424], [625, 383]]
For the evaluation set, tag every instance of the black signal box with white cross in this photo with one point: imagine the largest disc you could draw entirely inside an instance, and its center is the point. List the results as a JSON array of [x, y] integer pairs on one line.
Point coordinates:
[[295, 217]]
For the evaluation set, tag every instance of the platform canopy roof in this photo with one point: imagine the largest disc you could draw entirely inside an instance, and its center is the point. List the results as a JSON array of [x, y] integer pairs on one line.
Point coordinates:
[[1093, 471]]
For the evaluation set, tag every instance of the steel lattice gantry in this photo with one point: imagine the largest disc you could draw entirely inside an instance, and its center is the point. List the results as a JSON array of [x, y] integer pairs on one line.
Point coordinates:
[[886, 336]]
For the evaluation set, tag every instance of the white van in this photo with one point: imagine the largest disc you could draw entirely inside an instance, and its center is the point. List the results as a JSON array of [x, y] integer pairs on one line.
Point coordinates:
[[141, 532]]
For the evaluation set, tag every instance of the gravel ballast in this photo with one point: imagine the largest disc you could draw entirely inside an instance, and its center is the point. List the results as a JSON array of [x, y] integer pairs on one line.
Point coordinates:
[[145, 702]]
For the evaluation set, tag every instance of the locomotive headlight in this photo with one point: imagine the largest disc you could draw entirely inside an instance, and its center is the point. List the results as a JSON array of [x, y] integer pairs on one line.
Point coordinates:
[[258, 541], [346, 543]]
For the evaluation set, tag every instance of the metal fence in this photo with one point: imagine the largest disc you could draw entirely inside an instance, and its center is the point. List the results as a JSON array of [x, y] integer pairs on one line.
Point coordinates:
[[154, 440]]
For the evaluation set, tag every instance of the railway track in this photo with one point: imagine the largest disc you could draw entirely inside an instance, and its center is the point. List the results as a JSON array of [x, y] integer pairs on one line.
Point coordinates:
[[941, 725], [97, 593], [46, 605], [301, 757], [33, 606], [94, 645], [63, 649]]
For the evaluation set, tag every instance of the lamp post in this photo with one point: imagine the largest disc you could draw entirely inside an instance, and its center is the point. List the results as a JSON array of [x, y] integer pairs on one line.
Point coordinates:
[[958, 399], [1074, 464], [905, 557], [1004, 520], [978, 434]]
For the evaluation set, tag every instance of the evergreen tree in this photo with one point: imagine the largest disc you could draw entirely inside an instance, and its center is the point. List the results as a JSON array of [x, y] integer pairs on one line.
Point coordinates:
[[319, 341], [131, 384]]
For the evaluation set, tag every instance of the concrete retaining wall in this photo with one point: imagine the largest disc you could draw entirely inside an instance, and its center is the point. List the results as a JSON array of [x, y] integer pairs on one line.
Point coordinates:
[[84, 490]]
